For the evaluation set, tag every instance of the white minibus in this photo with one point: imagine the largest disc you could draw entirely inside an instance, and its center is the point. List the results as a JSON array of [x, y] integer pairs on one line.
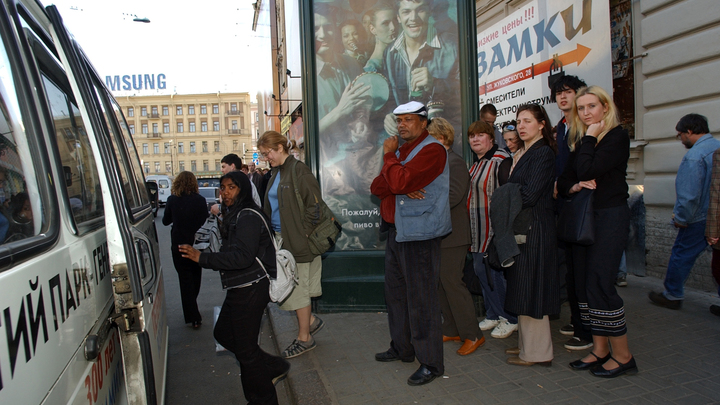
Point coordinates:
[[82, 305]]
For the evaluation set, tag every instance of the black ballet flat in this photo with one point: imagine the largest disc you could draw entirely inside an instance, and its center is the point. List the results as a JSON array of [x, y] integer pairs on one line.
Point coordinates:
[[581, 365], [628, 368]]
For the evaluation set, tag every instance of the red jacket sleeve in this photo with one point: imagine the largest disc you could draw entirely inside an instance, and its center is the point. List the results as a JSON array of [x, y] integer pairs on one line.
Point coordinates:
[[415, 174]]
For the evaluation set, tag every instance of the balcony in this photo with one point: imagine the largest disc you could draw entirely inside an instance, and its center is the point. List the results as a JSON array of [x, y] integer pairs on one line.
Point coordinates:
[[154, 135], [234, 112], [238, 132], [153, 116]]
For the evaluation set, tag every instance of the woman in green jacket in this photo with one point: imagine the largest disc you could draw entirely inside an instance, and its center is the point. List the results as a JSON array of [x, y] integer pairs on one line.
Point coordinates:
[[293, 222]]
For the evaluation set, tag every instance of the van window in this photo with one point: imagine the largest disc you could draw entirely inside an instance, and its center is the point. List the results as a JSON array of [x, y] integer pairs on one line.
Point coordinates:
[[162, 183], [22, 209], [81, 176]]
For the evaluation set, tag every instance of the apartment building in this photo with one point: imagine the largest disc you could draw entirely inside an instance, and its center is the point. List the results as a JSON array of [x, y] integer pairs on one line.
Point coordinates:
[[173, 133]]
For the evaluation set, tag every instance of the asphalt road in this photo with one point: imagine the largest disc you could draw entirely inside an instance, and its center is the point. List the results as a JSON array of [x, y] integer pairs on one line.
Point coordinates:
[[196, 372]]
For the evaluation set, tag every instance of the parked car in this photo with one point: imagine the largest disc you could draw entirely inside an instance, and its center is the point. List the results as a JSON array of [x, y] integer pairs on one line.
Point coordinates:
[[211, 194], [208, 181]]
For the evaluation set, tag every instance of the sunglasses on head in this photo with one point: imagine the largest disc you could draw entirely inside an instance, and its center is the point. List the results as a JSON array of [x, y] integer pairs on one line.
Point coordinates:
[[509, 128]]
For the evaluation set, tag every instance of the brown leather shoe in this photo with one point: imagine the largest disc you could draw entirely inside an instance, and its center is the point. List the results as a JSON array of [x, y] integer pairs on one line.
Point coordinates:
[[451, 338], [517, 361], [513, 350], [469, 346]]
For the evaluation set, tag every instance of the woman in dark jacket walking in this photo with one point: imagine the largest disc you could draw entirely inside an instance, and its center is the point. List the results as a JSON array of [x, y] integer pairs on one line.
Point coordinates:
[[533, 284], [245, 242], [186, 210], [600, 149]]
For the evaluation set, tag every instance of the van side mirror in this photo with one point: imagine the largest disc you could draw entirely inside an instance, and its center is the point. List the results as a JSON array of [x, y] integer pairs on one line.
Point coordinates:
[[67, 172], [152, 189]]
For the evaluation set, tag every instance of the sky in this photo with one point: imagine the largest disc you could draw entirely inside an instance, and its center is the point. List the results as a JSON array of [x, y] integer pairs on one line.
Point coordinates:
[[203, 48]]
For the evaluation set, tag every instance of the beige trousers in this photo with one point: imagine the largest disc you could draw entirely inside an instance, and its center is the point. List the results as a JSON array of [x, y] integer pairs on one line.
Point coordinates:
[[534, 339]]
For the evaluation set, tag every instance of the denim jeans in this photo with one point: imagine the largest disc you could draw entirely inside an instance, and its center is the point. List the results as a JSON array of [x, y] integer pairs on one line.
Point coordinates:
[[690, 242], [494, 300], [622, 271]]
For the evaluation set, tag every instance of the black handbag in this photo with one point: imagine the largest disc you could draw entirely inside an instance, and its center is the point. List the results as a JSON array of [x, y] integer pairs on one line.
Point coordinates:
[[576, 223]]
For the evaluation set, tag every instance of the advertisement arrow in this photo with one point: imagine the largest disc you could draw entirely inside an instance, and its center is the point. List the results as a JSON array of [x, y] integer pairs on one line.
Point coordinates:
[[577, 55]]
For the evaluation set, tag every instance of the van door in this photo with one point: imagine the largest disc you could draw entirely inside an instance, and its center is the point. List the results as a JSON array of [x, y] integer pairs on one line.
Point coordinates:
[[130, 226]]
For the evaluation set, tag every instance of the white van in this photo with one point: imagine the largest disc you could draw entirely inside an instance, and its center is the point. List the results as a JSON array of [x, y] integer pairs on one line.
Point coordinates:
[[164, 183], [81, 287]]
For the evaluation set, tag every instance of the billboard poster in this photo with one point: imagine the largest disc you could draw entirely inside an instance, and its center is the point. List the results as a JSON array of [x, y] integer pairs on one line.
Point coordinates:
[[520, 55], [370, 57]]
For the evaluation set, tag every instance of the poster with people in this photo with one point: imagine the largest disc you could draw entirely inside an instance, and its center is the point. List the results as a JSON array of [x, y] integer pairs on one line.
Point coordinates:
[[371, 56], [521, 54]]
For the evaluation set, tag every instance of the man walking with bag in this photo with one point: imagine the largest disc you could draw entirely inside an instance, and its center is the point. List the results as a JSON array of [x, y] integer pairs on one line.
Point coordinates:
[[413, 187]]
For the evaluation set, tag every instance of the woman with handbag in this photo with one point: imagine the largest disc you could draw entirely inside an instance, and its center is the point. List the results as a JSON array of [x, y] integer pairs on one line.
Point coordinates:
[[293, 223], [488, 173], [533, 282], [246, 242], [600, 149], [186, 210]]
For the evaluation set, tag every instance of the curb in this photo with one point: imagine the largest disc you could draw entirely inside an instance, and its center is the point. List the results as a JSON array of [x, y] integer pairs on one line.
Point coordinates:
[[304, 383]]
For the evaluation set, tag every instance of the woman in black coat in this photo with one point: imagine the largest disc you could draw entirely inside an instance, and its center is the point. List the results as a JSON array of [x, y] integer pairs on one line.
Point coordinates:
[[600, 149], [533, 284], [186, 210], [245, 243]]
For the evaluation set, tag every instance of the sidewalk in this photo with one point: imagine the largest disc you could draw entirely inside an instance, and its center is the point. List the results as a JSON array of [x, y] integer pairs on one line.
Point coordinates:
[[677, 352]]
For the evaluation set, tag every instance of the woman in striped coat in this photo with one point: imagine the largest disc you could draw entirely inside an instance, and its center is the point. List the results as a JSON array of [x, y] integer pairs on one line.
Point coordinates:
[[488, 173], [533, 284]]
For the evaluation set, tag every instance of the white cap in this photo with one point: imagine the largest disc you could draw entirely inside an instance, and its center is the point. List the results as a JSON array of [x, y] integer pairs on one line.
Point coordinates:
[[412, 107]]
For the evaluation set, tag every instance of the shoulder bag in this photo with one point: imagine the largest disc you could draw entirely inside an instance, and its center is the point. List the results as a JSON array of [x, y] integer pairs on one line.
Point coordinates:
[[576, 223]]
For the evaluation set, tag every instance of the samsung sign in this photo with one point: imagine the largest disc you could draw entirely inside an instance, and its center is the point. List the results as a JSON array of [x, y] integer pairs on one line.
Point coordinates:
[[136, 82]]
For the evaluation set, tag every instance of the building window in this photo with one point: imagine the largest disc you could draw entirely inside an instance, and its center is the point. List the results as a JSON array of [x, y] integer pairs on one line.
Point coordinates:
[[234, 124], [168, 167], [257, 117], [146, 166], [145, 149], [216, 109], [131, 112], [143, 111], [217, 165], [166, 127], [191, 109], [192, 127], [233, 107], [155, 128], [193, 166], [180, 127], [235, 145], [217, 146], [203, 126], [203, 109], [206, 166], [216, 125], [157, 167], [181, 147], [204, 146], [153, 110], [166, 147], [156, 148], [144, 129], [166, 111], [131, 127], [178, 110], [182, 166], [192, 147]]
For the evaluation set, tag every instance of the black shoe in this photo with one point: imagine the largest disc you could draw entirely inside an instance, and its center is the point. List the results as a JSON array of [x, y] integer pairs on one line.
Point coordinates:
[[661, 300], [422, 376], [715, 309], [285, 369], [390, 356], [196, 324], [628, 368], [580, 365]]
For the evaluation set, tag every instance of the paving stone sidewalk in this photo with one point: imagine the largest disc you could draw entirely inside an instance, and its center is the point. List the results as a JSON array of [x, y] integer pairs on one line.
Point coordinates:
[[677, 352]]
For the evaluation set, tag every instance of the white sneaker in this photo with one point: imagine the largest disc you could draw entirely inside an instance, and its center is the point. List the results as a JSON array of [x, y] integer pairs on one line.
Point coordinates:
[[488, 324], [504, 329]]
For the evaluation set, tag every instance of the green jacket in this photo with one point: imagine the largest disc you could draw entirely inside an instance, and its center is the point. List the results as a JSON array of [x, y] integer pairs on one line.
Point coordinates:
[[296, 225]]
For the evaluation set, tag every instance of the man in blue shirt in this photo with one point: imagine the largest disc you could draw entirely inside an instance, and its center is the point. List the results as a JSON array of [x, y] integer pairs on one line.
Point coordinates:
[[692, 187]]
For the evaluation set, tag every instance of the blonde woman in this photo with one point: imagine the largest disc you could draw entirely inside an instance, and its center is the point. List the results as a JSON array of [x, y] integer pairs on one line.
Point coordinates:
[[599, 151], [290, 221]]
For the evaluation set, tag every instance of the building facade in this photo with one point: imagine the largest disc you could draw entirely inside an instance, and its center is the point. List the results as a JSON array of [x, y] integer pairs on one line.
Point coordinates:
[[173, 133]]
